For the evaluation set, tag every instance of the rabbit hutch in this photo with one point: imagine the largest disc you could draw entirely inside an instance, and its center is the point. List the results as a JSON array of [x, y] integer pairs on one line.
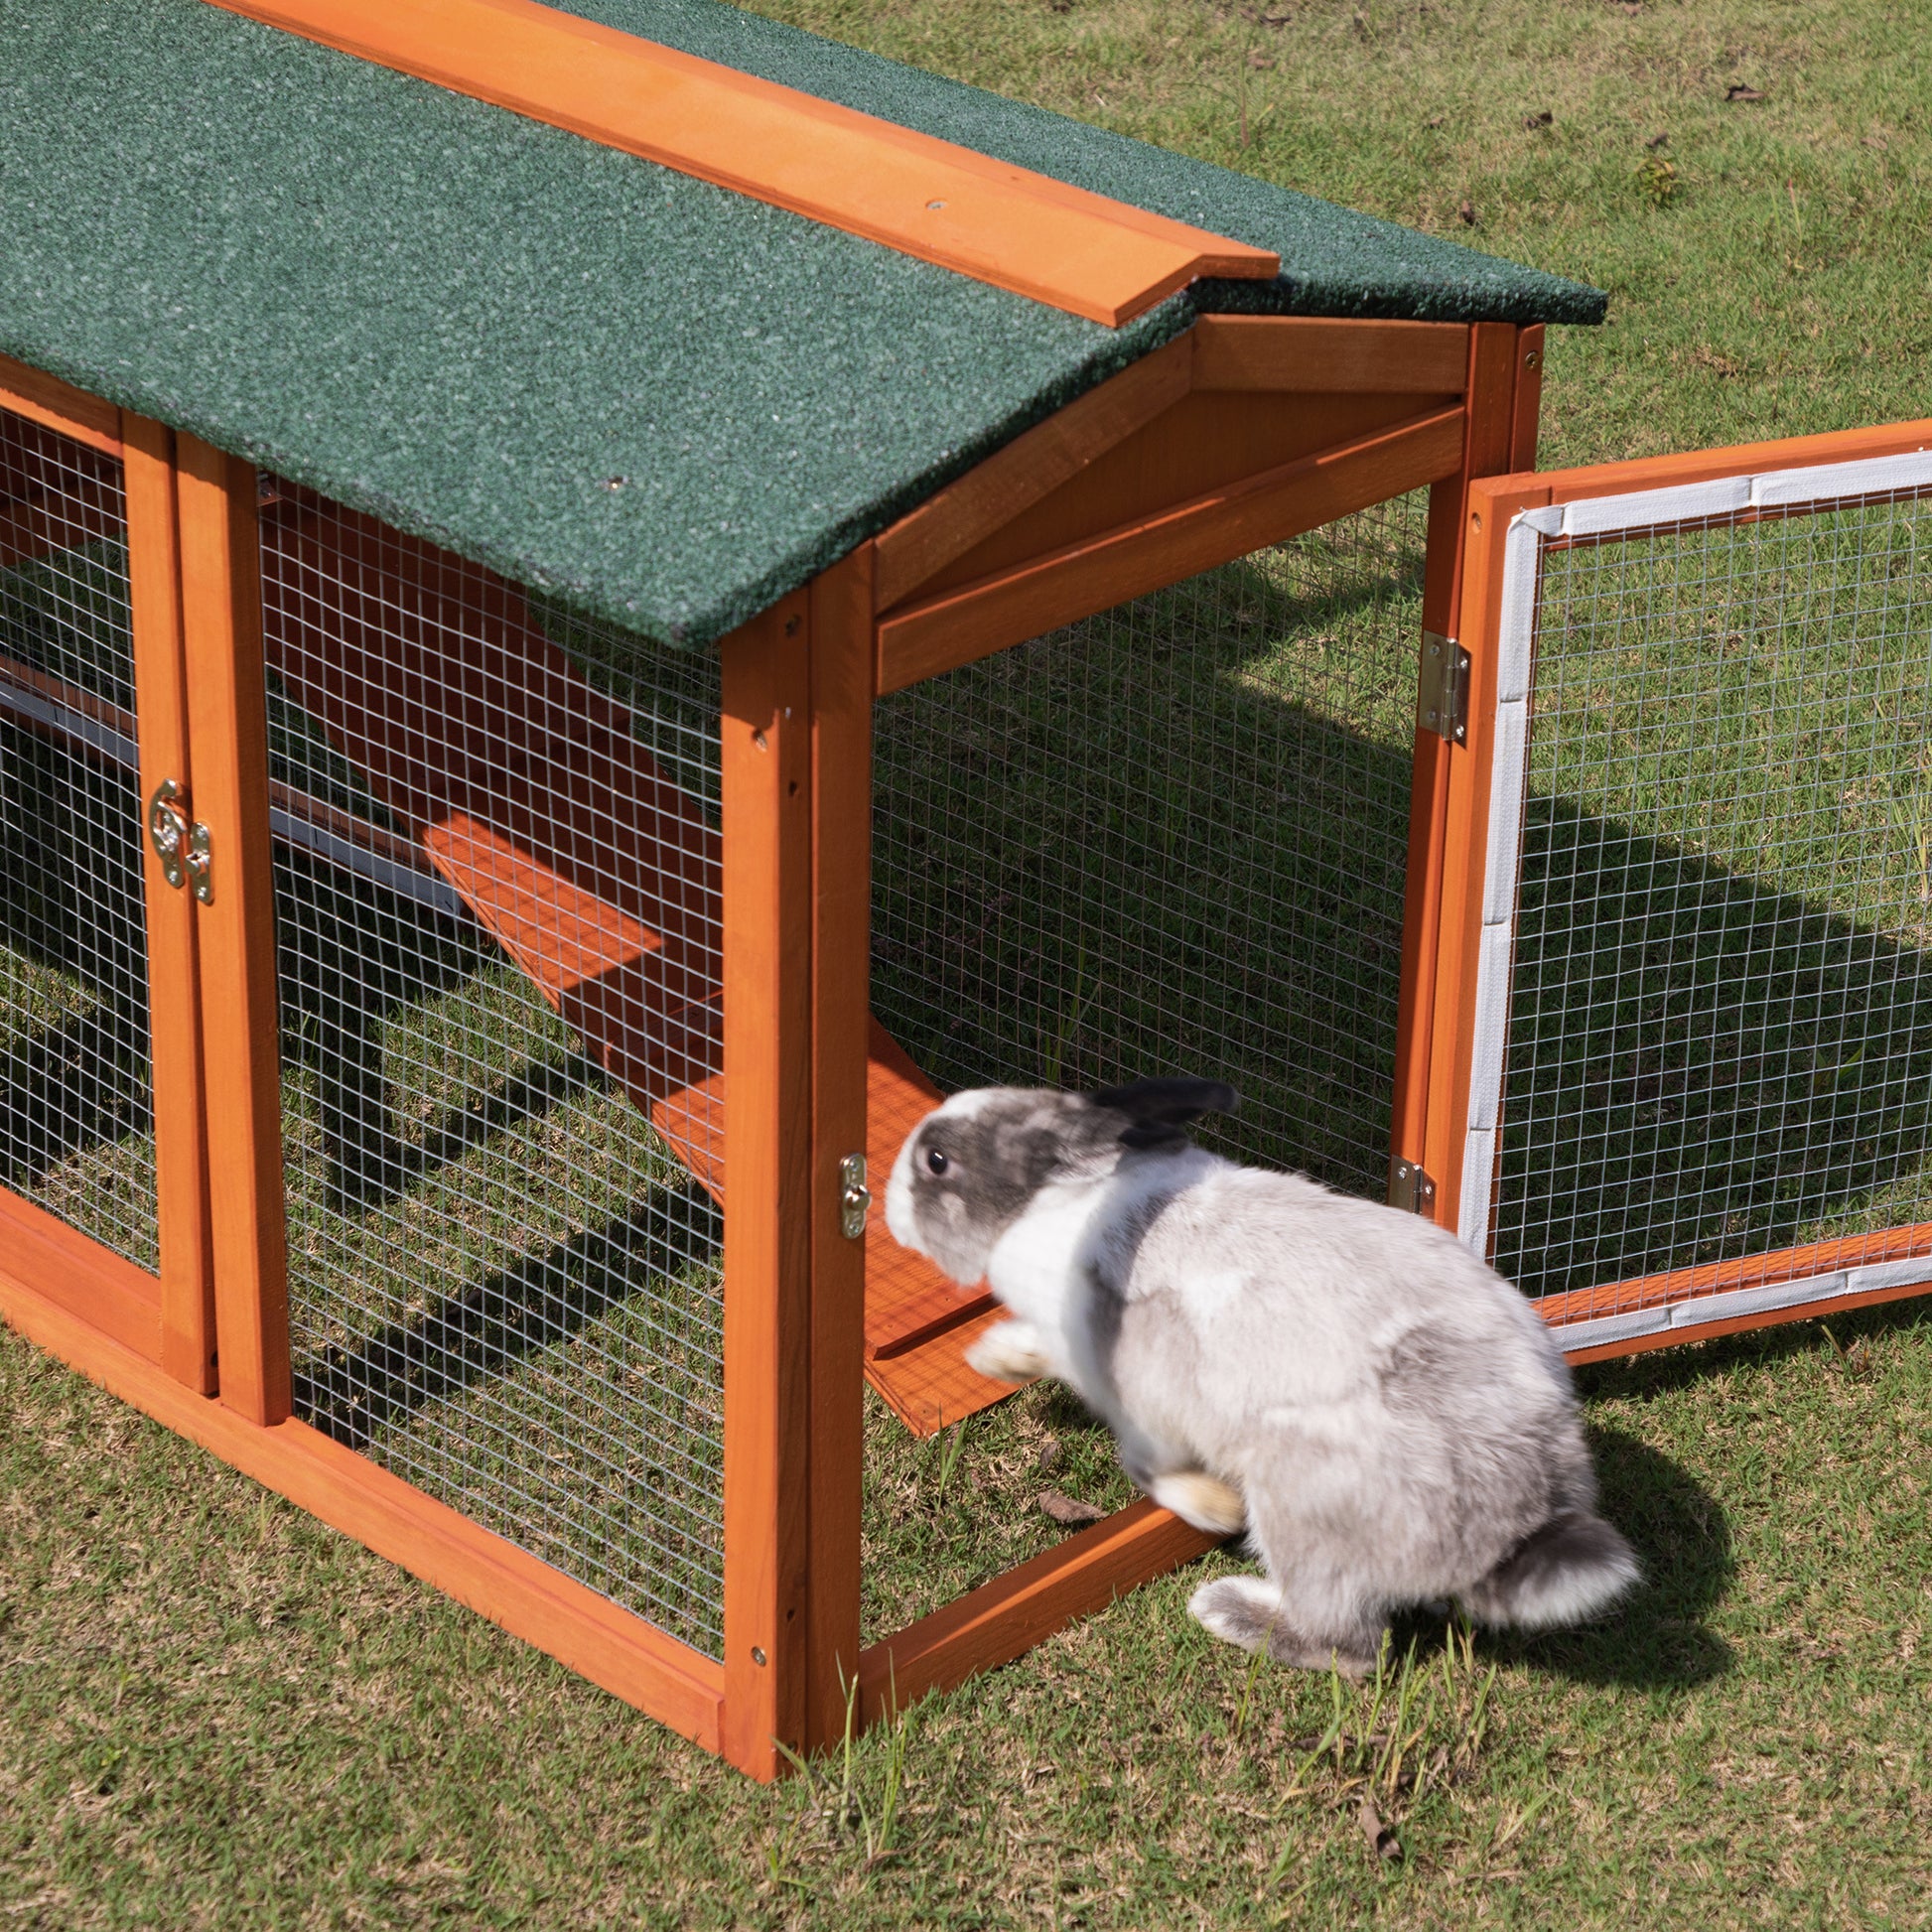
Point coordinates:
[[599, 605]]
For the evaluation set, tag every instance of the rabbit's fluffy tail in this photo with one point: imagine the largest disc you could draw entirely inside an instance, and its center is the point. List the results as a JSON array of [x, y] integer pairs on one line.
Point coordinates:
[[1572, 1567]]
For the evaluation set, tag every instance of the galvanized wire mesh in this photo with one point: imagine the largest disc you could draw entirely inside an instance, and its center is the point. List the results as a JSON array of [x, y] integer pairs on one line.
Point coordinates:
[[1170, 839], [1721, 1017], [77, 1103], [503, 1117]]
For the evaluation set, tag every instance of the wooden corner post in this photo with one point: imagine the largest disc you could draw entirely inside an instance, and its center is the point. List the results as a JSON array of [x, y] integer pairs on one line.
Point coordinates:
[[221, 623], [767, 760], [1501, 391], [188, 1330], [843, 656]]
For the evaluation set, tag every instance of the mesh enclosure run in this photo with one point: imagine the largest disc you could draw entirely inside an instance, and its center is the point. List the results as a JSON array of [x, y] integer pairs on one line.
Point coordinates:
[[76, 1101], [1720, 1019], [1171, 840], [497, 894]]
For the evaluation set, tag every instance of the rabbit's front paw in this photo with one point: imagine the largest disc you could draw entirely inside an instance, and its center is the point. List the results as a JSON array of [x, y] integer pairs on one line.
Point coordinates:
[[1009, 1351]]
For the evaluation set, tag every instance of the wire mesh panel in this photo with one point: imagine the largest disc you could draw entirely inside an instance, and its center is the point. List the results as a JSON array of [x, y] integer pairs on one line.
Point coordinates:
[[76, 1102], [496, 893], [1171, 840], [1713, 1041]]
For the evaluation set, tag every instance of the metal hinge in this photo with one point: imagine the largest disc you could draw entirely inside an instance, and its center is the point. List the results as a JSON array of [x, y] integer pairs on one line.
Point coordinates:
[[1442, 701], [1409, 1188], [854, 1198], [180, 843]]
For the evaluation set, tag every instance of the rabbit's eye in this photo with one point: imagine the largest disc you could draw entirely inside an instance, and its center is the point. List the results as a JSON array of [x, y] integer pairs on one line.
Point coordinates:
[[937, 1161]]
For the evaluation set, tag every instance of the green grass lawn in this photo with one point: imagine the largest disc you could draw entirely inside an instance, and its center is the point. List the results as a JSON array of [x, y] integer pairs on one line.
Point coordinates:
[[217, 1712]]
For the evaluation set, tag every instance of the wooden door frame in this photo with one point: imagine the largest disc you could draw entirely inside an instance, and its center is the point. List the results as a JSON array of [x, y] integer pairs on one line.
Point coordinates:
[[1494, 505]]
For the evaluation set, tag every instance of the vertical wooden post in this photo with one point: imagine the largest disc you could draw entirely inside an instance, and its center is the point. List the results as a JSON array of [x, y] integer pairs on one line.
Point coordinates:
[[1490, 439], [220, 577], [843, 661], [173, 1022], [767, 993]]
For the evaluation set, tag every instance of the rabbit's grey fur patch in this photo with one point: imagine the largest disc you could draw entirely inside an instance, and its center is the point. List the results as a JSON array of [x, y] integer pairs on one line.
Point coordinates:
[[1393, 1413]]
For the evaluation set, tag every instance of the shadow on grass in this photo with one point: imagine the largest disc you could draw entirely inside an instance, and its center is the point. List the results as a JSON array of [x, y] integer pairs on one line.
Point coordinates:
[[1699, 1067], [379, 1381], [1656, 1638]]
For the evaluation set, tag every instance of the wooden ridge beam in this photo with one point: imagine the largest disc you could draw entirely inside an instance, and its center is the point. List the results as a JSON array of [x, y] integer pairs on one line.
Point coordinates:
[[964, 211]]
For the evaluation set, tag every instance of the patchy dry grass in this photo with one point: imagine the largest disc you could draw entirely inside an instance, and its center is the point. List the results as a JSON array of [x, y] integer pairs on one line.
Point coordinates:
[[217, 1712]]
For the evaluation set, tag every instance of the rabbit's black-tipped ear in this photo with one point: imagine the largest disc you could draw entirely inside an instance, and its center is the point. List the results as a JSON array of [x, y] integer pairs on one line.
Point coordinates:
[[1158, 1110]]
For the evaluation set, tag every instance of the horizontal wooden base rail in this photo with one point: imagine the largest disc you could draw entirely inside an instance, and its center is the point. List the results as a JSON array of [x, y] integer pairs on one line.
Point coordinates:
[[1002, 1620], [597, 1639], [79, 1276], [982, 217], [973, 622]]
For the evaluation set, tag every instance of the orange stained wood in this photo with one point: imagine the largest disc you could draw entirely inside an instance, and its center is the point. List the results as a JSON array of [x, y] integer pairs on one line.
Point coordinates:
[[1211, 445], [1736, 460], [58, 406], [1494, 430], [1452, 1044], [1012, 480], [1311, 356], [840, 629], [160, 729], [766, 771], [1121, 452], [221, 589], [1738, 1325], [924, 197], [40, 1253], [577, 1627], [1709, 1278], [1037, 594], [1009, 1616]]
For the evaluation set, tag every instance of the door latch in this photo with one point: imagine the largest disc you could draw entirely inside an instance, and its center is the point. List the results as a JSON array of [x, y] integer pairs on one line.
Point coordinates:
[[854, 1198], [180, 843]]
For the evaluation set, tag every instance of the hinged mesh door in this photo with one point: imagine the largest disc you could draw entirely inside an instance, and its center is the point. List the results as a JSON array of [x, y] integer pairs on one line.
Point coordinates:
[[76, 1102], [496, 893], [1703, 1083]]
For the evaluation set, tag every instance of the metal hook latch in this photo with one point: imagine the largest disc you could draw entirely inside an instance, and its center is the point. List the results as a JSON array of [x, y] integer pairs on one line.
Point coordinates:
[[854, 1198], [181, 844]]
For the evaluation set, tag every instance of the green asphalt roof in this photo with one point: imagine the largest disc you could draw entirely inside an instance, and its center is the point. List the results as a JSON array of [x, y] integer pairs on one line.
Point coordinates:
[[663, 402]]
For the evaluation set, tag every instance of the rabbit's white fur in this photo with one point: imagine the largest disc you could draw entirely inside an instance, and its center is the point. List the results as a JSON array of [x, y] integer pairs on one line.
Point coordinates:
[[1393, 1413]]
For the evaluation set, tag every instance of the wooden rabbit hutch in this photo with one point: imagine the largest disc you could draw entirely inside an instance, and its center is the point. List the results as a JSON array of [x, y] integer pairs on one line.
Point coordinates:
[[595, 606]]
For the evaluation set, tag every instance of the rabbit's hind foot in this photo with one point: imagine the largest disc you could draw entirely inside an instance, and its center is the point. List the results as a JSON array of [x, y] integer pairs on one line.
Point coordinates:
[[1247, 1611]]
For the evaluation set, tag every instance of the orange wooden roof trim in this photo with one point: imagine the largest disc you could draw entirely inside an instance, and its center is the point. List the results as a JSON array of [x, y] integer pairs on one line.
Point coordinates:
[[979, 216]]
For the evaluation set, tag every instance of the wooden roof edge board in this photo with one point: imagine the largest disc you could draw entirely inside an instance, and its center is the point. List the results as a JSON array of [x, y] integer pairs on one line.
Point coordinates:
[[1011, 481], [58, 406], [1060, 245], [1326, 356]]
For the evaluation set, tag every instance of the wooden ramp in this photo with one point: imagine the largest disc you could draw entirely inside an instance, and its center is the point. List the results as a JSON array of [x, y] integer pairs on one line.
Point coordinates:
[[600, 876]]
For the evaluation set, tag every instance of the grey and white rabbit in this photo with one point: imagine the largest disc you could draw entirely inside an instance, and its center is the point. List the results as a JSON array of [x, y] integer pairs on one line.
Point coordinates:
[[1389, 1417]]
